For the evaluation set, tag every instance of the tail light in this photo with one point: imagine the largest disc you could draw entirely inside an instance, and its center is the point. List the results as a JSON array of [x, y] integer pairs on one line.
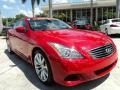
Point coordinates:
[[112, 25]]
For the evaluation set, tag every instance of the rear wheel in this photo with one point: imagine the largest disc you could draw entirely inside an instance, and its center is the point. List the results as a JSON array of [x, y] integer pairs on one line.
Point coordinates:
[[9, 47], [42, 67]]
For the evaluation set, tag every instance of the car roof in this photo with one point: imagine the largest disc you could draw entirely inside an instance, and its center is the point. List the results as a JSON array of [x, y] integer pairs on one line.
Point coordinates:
[[113, 19], [39, 18]]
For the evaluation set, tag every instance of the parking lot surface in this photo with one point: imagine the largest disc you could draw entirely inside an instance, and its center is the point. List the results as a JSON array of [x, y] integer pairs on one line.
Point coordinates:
[[16, 74]]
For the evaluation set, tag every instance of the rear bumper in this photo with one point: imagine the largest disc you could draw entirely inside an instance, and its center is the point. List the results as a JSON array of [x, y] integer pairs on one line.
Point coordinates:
[[114, 30], [72, 72]]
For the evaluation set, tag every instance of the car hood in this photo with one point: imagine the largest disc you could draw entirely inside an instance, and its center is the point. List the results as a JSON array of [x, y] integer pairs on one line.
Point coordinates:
[[80, 39]]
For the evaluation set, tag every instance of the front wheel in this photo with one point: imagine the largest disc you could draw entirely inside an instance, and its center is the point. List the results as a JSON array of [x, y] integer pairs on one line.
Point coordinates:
[[42, 67]]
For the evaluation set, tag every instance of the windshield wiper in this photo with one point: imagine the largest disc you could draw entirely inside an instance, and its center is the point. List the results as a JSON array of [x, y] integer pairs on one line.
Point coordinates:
[[65, 28]]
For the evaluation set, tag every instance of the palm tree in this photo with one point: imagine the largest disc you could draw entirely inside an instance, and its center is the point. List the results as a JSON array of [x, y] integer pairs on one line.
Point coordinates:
[[91, 11], [50, 9], [117, 8], [33, 4]]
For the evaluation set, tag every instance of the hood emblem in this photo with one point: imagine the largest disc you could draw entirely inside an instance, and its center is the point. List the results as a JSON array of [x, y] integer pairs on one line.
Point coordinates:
[[108, 50]]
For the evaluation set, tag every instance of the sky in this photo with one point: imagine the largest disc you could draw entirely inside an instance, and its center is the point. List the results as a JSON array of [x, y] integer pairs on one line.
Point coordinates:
[[10, 8]]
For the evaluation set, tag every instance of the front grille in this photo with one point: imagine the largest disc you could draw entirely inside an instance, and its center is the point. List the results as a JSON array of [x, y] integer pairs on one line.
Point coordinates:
[[103, 51]]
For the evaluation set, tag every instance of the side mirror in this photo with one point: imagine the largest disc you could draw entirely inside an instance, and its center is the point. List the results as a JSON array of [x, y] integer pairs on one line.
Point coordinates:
[[21, 29]]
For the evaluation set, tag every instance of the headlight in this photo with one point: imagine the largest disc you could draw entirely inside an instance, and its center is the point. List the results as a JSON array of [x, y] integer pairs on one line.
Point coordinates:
[[65, 51]]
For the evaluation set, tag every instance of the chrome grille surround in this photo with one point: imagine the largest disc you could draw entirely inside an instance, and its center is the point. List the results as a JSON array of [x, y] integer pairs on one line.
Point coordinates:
[[102, 51]]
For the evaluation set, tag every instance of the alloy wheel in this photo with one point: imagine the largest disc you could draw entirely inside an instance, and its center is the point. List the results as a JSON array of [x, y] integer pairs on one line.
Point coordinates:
[[8, 47], [41, 67]]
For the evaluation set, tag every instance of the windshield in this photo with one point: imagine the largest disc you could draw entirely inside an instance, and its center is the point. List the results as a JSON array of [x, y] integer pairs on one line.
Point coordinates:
[[116, 20], [46, 24]]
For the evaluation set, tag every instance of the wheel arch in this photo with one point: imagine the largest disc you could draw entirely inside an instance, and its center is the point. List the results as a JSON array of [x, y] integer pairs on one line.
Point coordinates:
[[34, 50], [42, 50], [108, 31], [46, 56]]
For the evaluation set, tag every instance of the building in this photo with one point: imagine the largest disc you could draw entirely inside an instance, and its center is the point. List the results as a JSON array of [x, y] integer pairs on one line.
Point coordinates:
[[81, 8]]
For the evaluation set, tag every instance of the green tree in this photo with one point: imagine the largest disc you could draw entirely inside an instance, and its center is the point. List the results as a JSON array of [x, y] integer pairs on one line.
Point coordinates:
[[33, 4], [8, 21], [109, 14], [19, 16], [91, 12], [50, 9], [41, 15], [4, 21], [60, 16]]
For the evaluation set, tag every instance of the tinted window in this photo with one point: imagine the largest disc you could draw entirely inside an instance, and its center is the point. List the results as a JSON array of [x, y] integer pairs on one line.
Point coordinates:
[[46, 24], [17, 24], [105, 21], [116, 20], [81, 21], [22, 23]]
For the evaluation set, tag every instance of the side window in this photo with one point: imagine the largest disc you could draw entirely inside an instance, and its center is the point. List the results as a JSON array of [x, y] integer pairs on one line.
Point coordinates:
[[22, 23], [105, 21], [108, 21], [16, 24]]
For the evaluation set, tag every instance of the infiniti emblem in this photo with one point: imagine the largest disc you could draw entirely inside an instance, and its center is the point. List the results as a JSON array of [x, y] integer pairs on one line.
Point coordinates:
[[108, 50]]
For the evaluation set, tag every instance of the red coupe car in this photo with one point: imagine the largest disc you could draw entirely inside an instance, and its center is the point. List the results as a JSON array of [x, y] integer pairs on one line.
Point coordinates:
[[60, 53]]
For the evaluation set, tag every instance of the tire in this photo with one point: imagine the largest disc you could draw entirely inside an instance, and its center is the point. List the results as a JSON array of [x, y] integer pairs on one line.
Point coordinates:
[[42, 67], [9, 47]]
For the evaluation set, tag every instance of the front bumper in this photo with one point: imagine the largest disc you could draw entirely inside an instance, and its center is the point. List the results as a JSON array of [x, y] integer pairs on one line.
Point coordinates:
[[70, 72]]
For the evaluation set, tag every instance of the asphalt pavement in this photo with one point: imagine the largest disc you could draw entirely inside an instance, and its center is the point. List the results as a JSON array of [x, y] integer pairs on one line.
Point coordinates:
[[16, 74]]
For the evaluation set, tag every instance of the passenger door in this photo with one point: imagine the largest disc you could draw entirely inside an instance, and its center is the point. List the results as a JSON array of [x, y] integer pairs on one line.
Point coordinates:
[[22, 40], [12, 36]]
